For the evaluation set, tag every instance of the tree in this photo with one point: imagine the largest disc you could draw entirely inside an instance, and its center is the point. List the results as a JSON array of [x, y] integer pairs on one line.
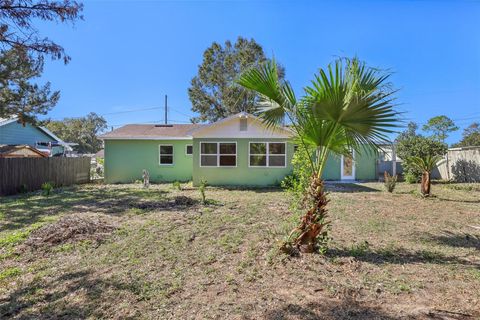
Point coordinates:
[[82, 130], [213, 91], [348, 106], [440, 126], [411, 131], [471, 136], [425, 164], [17, 29], [20, 95], [410, 146]]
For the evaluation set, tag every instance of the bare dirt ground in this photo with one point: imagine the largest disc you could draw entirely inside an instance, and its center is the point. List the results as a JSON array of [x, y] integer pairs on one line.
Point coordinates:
[[126, 252]]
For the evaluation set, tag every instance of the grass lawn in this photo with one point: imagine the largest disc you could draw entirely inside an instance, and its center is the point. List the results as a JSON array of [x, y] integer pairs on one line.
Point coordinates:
[[392, 256]]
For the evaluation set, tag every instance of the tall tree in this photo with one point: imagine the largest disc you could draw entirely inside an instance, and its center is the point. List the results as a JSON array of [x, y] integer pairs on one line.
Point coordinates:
[[82, 130], [213, 91], [18, 31], [20, 94], [471, 136], [440, 126], [347, 106]]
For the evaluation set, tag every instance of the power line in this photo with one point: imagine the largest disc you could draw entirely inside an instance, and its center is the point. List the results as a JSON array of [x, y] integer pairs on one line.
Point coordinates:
[[128, 111]]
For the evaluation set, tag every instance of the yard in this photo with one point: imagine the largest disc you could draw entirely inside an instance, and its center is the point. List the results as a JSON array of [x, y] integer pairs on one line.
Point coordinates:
[[158, 253]]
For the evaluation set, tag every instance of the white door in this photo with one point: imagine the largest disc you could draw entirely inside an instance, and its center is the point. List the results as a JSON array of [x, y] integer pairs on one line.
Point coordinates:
[[348, 167]]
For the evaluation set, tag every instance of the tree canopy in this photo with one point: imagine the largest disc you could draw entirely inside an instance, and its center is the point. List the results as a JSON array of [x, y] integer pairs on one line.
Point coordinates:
[[18, 31], [213, 91], [412, 145], [20, 94], [82, 130], [440, 126], [471, 136]]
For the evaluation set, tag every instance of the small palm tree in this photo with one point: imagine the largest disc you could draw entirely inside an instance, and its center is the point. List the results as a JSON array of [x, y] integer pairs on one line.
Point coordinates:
[[426, 165], [347, 106]]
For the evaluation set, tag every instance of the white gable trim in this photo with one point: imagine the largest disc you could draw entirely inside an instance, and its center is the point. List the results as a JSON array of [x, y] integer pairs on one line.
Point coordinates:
[[4, 122], [145, 138]]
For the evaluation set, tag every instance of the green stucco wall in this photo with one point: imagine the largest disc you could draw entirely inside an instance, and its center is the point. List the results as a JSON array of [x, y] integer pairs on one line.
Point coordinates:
[[241, 175], [126, 159], [365, 165]]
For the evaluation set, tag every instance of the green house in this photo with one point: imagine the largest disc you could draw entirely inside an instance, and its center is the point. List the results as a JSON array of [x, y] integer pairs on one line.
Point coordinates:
[[238, 150]]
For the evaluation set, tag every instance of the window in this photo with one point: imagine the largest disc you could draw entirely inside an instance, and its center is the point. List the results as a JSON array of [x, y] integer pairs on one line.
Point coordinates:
[[218, 154], [166, 154], [267, 154], [189, 149]]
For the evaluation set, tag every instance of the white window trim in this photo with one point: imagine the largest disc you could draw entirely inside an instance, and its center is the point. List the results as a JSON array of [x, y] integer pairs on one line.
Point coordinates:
[[267, 164], [217, 154], [166, 154], [186, 147]]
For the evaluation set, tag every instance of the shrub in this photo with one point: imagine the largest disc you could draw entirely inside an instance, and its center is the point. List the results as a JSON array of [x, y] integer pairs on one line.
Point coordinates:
[[297, 183], [411, 178], [409, 146], [47, 188], [201, 188], [177, 185], [390, 181]]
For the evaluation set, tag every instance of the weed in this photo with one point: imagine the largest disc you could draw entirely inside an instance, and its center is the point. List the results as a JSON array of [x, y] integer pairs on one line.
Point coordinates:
[[201, 188], [389, 181], [9, 273], [360, 249], [177, 185], [47, 188]]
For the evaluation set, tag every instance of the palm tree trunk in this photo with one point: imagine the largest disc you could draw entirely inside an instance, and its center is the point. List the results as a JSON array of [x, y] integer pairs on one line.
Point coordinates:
[[314, 223], [425, 184]]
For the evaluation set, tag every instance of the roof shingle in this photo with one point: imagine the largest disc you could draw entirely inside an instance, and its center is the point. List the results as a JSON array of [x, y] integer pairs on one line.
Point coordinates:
[[152, 131]]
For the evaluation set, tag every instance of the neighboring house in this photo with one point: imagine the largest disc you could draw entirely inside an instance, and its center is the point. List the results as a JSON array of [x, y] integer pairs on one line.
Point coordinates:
[[21, 151], [238, 150], [14, 133]]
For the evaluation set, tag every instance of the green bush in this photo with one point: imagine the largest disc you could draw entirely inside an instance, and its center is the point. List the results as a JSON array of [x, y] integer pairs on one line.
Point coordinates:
[[177, 185], [47, 188], [413, 145], [411, 178], [296, 183]]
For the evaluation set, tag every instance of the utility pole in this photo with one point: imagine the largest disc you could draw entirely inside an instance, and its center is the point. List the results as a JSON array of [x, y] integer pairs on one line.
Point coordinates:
[[166, 109]]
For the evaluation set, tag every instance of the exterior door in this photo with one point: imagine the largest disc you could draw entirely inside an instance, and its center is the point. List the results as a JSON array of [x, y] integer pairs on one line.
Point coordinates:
[[348, 167]]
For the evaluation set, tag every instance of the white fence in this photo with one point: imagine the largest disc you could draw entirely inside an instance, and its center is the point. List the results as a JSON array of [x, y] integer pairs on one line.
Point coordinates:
[[460, 165]]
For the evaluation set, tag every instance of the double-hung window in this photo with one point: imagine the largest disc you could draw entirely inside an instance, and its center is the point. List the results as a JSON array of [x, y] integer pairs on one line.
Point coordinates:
[[188, 149], [218, 154], [166, 154], [267, 154]]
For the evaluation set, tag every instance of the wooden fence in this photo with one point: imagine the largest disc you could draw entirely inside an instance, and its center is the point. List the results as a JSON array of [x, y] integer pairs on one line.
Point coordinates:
[[28, 174]]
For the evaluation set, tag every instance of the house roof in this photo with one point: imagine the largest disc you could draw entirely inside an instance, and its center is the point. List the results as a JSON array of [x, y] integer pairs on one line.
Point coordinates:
[[6, 149], [174, 131], [5, 121], [152, 132]]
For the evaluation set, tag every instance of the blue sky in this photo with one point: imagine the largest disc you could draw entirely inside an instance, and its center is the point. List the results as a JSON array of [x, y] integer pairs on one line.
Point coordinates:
[[128, 55]]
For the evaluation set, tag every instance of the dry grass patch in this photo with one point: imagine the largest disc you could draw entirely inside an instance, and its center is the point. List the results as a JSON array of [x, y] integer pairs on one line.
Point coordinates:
[[393, 256]]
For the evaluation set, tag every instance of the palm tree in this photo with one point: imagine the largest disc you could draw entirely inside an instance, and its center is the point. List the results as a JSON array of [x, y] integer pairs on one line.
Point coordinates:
[[347, 106], [426, 165]]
